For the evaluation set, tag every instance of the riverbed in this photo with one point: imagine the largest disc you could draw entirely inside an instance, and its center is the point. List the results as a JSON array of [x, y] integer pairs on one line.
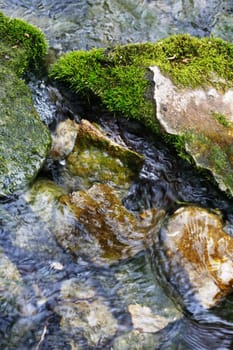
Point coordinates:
[[53, 300]]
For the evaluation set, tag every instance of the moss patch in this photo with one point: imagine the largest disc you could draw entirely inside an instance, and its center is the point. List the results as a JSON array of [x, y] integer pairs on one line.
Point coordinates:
[[214, 156], [23, 46], [221, 118], [119, 75]]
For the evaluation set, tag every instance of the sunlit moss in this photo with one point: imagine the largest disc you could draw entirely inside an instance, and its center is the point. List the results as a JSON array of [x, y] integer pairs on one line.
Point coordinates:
[[23, 46], [119, 76], [221, 119]]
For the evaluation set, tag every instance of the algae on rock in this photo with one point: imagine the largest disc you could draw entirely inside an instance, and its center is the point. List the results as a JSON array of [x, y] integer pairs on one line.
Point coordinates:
[[106, 229], [96, 157], [24, 139], [90, 156]]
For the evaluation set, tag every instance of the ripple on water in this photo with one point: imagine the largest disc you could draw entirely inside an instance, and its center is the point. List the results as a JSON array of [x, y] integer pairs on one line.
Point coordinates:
[[38, 270]]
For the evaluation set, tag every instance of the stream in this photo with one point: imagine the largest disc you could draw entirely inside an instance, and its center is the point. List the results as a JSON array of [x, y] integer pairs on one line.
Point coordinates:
[[50, 299]]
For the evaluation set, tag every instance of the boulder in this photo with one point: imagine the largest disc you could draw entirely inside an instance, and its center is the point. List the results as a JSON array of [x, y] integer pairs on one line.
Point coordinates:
[[96, 158], [180, 86], [203, 118], [194, 256], [24, 139]]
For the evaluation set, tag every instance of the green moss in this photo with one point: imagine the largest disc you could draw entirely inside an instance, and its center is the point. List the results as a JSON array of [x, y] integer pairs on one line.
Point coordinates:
[[221, 119], [22, 152], [119, 75], [122, 88], [23, 46]]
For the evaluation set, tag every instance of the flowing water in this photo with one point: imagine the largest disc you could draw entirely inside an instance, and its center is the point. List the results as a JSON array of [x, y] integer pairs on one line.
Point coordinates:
[[52, 300]]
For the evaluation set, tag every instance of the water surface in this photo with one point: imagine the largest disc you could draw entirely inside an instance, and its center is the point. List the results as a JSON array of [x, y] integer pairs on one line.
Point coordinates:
[[45, 287]]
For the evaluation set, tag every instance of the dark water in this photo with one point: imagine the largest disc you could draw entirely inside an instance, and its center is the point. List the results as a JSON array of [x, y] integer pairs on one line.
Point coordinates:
[[44, 289]]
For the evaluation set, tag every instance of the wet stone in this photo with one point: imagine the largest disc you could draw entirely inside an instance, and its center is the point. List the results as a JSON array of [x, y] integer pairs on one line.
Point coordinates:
[[194, 256], [83, 311], [144, 320], [63, 140], [96, 158], [114, 232]]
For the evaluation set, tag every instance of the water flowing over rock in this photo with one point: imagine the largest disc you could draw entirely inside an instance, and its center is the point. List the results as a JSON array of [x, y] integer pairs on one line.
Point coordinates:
[[96, 158], [195, 258], [144, 320], [114, 233], [80, 308]]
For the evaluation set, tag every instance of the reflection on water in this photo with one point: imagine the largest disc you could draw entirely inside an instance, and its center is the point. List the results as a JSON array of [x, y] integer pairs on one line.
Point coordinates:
[[50, 300]]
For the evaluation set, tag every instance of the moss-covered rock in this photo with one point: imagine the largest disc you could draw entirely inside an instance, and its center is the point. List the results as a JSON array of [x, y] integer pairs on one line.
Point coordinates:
[[24, 139], [120, 77], [94, 157]]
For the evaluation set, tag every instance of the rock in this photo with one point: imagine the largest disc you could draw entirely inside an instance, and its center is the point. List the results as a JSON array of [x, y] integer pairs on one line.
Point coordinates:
[[189, 96], [63, 140], [22, 151], [92, 222], [81, 309], [204, 118], [144, 320], [107, 231], [194, 256], [136, 340], [96, 158], [13, 291]]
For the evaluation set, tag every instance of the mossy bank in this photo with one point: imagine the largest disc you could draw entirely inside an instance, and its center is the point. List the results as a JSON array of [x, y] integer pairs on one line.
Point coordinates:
[[122, 78], [24, 139]]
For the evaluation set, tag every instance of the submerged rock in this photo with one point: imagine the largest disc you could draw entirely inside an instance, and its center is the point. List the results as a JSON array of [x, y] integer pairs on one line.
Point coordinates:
[[144, 320], [96, 158], [82, 311], [13, 291], [114, 233], [92, 223], [194, 256]]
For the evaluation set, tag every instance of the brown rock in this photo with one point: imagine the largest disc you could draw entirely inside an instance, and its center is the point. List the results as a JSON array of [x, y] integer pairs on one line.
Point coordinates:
[[196, 257], [116, 232]]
